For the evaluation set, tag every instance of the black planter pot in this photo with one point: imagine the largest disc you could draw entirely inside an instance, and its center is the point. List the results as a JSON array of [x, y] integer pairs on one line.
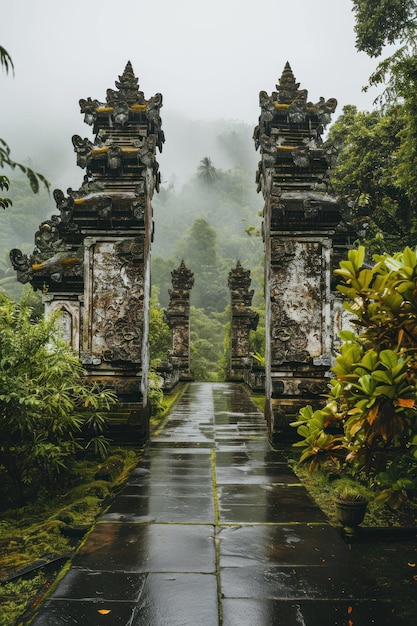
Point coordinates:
[[350, 513]]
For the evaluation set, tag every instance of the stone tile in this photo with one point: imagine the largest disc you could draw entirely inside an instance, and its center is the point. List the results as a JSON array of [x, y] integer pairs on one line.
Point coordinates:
[[162, 508], [148, 548], [81, 584], [249, 503], [241, 612], [169, 488], [257, 581], [295, 544], [255, 458], [249, 473], [178, 600], [253, 580], [84, 612]]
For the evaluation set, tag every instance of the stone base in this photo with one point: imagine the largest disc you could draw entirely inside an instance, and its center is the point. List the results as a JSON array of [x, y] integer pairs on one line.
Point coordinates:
[[128, 423], [281, 412], [255, 378]]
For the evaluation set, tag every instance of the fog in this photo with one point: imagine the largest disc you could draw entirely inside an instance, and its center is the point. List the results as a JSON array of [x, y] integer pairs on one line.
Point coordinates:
[[208, 59]]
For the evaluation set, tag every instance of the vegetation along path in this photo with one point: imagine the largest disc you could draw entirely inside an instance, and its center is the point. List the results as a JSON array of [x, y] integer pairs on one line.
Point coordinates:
[[213, 528]]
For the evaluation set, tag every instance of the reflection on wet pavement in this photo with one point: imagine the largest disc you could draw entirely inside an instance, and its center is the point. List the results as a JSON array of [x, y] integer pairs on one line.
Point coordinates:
[[213, 529]]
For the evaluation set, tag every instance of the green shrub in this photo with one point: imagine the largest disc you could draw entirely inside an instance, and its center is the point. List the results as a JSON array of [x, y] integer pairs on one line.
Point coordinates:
[[368, 423]]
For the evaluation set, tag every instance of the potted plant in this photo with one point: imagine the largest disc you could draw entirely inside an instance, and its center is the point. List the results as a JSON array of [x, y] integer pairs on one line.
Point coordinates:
[[351, 502]]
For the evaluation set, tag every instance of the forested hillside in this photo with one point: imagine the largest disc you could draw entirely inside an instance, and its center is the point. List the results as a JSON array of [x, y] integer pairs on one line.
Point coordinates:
[[210, 221], [18, 225]]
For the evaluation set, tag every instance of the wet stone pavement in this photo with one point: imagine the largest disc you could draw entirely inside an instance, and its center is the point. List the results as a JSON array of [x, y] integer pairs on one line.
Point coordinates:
[[213, 529]]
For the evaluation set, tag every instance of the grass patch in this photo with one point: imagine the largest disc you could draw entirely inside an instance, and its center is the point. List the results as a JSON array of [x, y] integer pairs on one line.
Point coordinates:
[[258, 400], [52, 526], [158, 420], [322, 488]]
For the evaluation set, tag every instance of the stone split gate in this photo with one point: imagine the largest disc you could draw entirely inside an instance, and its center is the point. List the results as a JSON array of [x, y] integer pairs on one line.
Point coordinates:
[[92, 260]]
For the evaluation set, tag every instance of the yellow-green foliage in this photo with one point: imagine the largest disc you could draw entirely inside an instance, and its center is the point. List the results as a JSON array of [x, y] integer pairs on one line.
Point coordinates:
[[369, 419]]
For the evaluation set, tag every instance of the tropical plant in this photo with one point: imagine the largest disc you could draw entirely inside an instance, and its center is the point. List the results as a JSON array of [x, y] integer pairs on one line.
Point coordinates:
[[206, 172], [47, 410], [370, 415], [350, 491], [398, 482]]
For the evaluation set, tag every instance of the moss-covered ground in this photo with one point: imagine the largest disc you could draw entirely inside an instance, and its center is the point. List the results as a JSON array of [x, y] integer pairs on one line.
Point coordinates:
[[38, 539]]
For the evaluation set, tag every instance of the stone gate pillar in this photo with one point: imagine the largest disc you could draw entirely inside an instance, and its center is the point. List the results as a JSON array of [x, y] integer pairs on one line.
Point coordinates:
[[93, 259], [303, 226], [177, 316], [243, 320]]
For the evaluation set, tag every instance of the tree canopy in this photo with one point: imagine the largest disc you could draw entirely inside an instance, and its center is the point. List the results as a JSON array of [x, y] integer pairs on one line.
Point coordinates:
[[382, 22], [371, 171]]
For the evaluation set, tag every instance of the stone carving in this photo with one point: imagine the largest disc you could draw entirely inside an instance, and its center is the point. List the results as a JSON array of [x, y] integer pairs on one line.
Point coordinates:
[[89, 108], [301, 219], [282, 251], [123, 336], [47, 238], [65, 206], [301, 156], [22, 265], [325, 110], [243, 321], [289, 339], [312, 388], [103, 206], [311, 208], [121, 112], [138, 209], [114, 158], [127, 88], [177, 317], [83, 149], [147, 151], [297, 111]]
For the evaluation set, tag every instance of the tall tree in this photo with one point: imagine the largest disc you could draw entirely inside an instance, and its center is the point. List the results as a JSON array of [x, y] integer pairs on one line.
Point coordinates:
[[199, 249], [206, 172], [386, 158], [382, 22], [369, 170]]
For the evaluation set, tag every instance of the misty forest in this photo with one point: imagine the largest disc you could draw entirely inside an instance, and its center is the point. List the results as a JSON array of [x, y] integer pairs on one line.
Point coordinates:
[[210, 221]]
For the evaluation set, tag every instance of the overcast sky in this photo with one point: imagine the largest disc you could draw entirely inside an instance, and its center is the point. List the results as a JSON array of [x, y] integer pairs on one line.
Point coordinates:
[[208, 58]]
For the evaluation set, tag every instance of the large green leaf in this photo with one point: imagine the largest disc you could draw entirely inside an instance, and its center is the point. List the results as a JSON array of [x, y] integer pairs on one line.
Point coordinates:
[[388, 358]]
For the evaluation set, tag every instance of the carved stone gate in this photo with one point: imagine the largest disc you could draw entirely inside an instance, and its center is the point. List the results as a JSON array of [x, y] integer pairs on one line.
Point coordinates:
[[92, 261], [304, 233]]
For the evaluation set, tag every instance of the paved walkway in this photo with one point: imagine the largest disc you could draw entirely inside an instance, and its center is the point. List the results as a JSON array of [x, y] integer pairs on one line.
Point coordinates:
[[213, 529]]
